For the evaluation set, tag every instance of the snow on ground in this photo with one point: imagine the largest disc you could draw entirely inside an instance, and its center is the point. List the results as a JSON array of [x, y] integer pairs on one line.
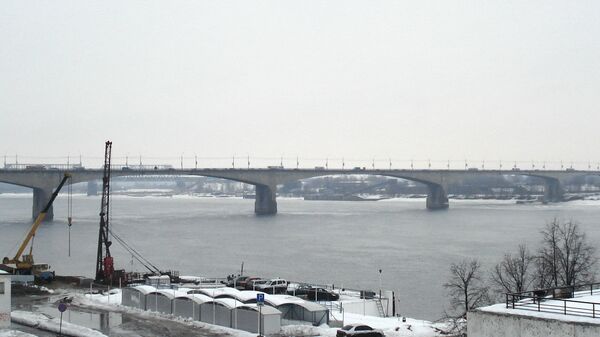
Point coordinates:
[[112, 297], [391, 326], [553, 309], [43, 322], [14, 333]]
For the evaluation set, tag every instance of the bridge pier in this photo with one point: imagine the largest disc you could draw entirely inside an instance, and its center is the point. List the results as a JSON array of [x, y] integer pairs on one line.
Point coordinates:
[[265, 202], [92, 188], [553, 191], [437, 197], [41, 196]]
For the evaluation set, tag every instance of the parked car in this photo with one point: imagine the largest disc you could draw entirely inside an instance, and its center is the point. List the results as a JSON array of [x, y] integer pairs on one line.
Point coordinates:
[[358, 330], [253, 284], [297, 289], [274, 286], [243, 283], [238, 282], [321, 294]]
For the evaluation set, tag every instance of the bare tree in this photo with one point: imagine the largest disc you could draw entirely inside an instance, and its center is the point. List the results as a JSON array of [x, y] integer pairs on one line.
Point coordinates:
[[515, 272], [565, 257], [466, 287]]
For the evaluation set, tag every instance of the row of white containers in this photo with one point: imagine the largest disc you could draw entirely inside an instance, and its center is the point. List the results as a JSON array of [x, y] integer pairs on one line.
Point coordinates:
[[227, 307]]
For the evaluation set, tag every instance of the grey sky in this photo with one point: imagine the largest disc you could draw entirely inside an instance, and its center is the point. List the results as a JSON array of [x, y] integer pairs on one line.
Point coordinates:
[[356, 79]]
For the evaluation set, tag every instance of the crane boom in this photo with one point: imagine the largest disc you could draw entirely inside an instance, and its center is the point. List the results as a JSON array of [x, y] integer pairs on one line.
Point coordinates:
[[28, 262]]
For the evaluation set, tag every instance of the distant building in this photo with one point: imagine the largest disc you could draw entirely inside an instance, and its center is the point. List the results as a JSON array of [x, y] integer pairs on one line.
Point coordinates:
[[5, 294]]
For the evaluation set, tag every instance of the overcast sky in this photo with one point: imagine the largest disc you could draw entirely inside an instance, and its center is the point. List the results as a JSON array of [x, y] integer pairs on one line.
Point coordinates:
[[355, 79]]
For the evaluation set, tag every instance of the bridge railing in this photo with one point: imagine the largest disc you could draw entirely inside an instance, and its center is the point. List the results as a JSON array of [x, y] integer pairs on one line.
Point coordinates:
[[61, 167]]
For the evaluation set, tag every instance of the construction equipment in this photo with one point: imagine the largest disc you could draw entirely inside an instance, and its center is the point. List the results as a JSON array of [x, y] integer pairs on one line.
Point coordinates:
[[24, 264], [104, 261]]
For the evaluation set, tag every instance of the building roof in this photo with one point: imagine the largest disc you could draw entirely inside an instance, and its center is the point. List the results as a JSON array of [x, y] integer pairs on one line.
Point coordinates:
[[265, 310], [248, 295], [3, 272], [198, 298], [144, 289], [277, 300], [169, 293], [217, 292], [226, 302]]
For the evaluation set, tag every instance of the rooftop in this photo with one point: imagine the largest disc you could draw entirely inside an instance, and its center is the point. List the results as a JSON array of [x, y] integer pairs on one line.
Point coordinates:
[[584, 306]]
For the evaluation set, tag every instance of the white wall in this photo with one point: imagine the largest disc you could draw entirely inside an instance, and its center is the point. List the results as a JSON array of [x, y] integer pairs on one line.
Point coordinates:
[[5, 301], [363, 307], [487, 324]]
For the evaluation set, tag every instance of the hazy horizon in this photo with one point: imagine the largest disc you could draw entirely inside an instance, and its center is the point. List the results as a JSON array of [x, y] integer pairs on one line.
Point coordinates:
[[446, 80]]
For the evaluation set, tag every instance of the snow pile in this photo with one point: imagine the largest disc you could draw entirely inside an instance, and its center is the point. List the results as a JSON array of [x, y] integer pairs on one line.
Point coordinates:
[[114, 296], [44, 322], [390, 326], [14, 333]]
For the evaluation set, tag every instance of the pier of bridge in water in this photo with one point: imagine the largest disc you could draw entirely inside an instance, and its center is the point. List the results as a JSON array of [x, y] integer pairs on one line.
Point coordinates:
[[44, 178]]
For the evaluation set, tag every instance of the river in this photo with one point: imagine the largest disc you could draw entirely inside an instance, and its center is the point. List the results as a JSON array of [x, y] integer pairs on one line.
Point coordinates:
[[339, 242]]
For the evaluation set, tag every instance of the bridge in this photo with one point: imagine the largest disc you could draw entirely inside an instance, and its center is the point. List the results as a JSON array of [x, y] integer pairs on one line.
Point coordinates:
[[43, 180]]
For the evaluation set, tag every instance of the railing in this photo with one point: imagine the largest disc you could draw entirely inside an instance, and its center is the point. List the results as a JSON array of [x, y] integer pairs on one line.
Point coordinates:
[[557, 300]]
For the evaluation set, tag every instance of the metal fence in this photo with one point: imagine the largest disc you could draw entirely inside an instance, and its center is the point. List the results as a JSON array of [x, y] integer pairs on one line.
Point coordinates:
[[558, 300]]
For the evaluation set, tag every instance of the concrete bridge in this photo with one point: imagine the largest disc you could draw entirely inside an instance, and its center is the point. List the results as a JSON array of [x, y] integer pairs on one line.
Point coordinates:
[[43, 181]]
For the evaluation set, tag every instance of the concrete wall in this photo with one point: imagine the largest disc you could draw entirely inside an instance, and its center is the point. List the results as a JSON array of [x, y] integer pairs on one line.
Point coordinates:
[[486, 324], [5, 293]]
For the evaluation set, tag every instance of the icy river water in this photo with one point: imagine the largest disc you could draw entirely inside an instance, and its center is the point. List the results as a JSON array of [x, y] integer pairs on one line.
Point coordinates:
[[344, 243]]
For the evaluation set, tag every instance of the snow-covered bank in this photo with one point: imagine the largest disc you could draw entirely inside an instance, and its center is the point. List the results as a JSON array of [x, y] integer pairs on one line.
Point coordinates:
[[391, 326], [43, 322], [14, 333]]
